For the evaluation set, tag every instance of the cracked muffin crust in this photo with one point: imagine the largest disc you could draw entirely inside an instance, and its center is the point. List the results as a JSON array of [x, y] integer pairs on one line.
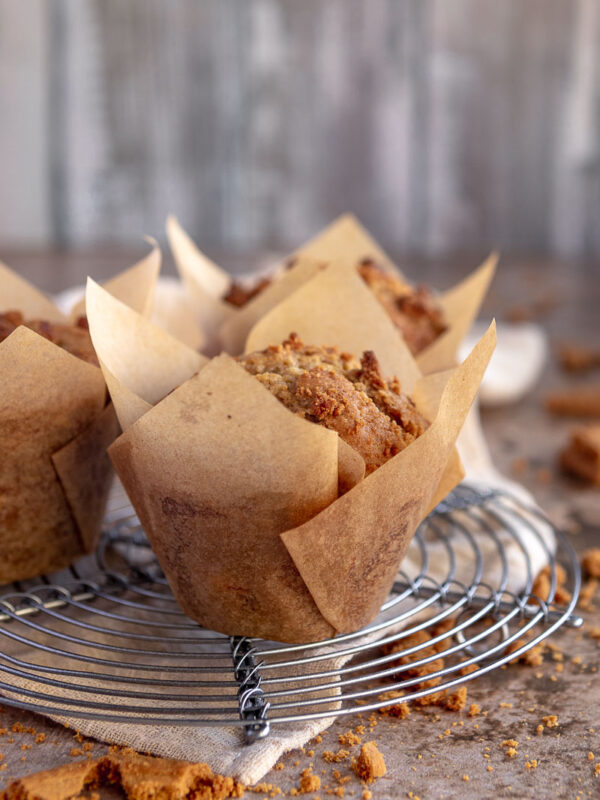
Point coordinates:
[[414, 311], [341, 392]]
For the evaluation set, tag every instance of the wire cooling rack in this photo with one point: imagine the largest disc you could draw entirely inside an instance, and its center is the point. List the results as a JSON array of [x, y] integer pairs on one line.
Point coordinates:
[[106, 640]]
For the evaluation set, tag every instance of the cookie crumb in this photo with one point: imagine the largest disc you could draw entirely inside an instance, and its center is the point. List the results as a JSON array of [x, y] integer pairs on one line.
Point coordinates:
[[457, 700], [349, 739], [370, 764], [550, 721], [309, 782]]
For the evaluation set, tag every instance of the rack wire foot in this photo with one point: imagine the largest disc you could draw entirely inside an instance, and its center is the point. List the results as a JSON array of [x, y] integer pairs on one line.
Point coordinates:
[[253, 705]]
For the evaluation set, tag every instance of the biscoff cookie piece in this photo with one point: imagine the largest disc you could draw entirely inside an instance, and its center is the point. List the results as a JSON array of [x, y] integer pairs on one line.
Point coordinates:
[[581, 456], [140, 778]]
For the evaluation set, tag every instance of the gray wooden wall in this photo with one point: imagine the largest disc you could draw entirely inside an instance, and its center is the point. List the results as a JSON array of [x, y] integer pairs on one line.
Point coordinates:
[[444, 124]]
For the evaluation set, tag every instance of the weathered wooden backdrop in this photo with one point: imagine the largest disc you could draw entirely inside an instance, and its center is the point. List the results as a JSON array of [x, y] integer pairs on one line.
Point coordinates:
[[444, 124]]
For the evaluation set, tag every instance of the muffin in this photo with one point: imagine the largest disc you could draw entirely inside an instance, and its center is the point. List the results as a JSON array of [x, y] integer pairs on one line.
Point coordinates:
[[75, 339], [234, 465], [414, 311], [55, 426], [342, 393], [56, 423], [433, 326]]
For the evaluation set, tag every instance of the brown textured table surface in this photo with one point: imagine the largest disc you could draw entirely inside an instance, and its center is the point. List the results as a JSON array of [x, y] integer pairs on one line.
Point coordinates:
[[436, 753]]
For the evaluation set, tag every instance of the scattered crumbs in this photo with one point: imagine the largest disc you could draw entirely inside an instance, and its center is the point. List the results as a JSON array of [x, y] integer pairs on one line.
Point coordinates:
[[590, 756], [596, 769], [400, 710], [279, 765], [510, 746], [310, 753], [334, 758], [490, 768], [590, 562], [550, 721], [25, 747], [40, 737], [506, 705], [370, 764], [534, 657], [447, 732], [349, 739], [474, 710], [465, 777], [586, 594], [76, 751], [367, 795], [531, 764], [309, 782], [539, 729], [457, 700], [318, 739]]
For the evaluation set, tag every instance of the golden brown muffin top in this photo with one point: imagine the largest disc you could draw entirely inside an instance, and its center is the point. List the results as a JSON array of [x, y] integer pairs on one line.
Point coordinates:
[[75, 339], [341, 392], [414, 311]]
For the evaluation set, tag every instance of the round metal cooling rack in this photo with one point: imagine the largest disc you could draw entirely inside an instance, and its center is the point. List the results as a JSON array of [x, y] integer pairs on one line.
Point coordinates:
[[106, 640]]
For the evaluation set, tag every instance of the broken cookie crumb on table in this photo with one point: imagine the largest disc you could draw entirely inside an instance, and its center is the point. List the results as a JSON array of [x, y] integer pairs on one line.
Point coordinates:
[[575, 357], [581, 401], [590, 562], [370, 764], [581, 456], [140, 778]]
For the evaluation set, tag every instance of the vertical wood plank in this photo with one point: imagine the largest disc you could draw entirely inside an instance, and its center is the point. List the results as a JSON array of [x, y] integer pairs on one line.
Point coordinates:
[[24, 189]]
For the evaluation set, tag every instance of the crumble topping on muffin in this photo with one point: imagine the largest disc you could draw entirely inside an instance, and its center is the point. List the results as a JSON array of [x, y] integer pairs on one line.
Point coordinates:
[[75, 339], [414, 311], [341, 392]]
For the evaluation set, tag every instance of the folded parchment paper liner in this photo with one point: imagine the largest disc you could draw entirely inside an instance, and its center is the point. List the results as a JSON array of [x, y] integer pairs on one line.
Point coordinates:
[[345, 242], [55, 427], [229, 485]]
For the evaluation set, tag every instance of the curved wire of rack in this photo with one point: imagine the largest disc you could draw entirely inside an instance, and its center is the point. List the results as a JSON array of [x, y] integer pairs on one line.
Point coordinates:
[[106, 640]]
